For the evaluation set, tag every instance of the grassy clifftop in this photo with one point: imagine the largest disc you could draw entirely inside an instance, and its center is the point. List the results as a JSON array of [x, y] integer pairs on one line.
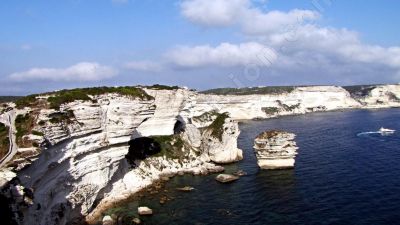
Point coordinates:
[[217, 126], [251, 90], [66, 96], [4, 99]]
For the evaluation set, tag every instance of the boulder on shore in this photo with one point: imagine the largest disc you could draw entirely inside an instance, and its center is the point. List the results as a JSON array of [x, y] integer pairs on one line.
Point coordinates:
[[275, 149], [107, 220], [144, 211], [136, 221], [226, 178]]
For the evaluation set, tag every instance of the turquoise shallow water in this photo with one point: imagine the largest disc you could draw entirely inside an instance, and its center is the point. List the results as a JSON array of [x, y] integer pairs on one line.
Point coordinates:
[[340, 178]]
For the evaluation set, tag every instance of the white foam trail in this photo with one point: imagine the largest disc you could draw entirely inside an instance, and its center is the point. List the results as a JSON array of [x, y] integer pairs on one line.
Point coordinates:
[[369, 132]]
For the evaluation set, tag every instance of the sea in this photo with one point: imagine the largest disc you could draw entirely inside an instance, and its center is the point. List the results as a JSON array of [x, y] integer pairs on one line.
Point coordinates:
[[345, 173]]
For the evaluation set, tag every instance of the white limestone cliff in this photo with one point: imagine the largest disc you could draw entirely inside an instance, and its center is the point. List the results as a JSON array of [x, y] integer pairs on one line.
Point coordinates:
[[223, 149], [80, 169], [382, 96], [299, 101], [275, 150]]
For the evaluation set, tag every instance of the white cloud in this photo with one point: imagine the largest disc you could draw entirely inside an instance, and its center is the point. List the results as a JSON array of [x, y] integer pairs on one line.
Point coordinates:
[[84, 71], [296, 40], [225, 54], [251, 20], [337, 44], [147, 66], [213, 13]]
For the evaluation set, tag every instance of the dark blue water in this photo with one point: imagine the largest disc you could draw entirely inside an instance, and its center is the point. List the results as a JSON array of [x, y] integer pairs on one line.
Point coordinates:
[[339, 178]]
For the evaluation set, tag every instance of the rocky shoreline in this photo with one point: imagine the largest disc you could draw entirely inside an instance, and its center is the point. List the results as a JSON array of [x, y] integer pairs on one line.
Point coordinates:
[[74, 152], [152, 188]]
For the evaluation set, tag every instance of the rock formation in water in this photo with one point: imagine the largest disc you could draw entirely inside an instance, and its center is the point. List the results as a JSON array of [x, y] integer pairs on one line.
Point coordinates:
[[73, 153], [275, 150], [226, 178]]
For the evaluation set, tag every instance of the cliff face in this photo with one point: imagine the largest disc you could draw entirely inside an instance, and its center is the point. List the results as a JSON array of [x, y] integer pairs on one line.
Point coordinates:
[[299, 101], [73, 157]]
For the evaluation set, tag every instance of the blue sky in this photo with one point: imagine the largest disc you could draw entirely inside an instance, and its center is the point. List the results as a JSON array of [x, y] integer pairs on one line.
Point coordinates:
[[47, 45]]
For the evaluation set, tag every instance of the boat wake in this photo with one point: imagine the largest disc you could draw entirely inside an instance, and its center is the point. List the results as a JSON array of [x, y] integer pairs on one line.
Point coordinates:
[[367, 133], [382, 132]]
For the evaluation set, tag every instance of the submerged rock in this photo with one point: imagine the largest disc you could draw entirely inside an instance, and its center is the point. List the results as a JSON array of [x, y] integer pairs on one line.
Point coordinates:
[[136, 221], [275, 149], [240, 173], [226, 178], [144, 210], [186, 189], [163, 200]]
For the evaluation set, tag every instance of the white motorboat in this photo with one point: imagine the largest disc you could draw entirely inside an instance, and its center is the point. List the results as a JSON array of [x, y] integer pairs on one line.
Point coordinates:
[[386, 131]]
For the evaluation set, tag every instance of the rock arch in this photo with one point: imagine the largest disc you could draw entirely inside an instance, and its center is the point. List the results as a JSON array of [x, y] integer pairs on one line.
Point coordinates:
[[180, 125]]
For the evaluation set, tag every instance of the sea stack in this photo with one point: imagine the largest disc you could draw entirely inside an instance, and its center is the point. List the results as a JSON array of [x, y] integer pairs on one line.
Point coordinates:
[[275, 149]]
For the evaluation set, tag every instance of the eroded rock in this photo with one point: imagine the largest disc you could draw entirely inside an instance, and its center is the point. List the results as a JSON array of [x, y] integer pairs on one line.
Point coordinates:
[[275, 149], [145, 211], [226, 178], [221, 145]]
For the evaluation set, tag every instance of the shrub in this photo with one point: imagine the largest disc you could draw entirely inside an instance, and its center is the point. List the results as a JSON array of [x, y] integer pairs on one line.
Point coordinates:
[[207, 116], [171, 146], [2, 127], [66, 97], [4, 140], [24, 125], [217, 126], [37, 133], [270, 110], [9, 98], [26, 101], [163, 87], [60, 117], [290, 108]]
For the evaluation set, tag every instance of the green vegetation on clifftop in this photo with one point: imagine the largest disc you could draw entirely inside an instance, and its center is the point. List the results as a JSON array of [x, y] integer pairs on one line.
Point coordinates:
[[251, 90], [66, 96], [9, 98], [24, 125], [26, 101], [4, 140], [171, 146], [217, 126], [207, 116], [270, 110], [162, 87], [60, 117]]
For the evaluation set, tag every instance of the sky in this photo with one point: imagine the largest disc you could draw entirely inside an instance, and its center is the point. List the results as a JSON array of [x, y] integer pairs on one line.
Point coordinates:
[[48, 45]]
